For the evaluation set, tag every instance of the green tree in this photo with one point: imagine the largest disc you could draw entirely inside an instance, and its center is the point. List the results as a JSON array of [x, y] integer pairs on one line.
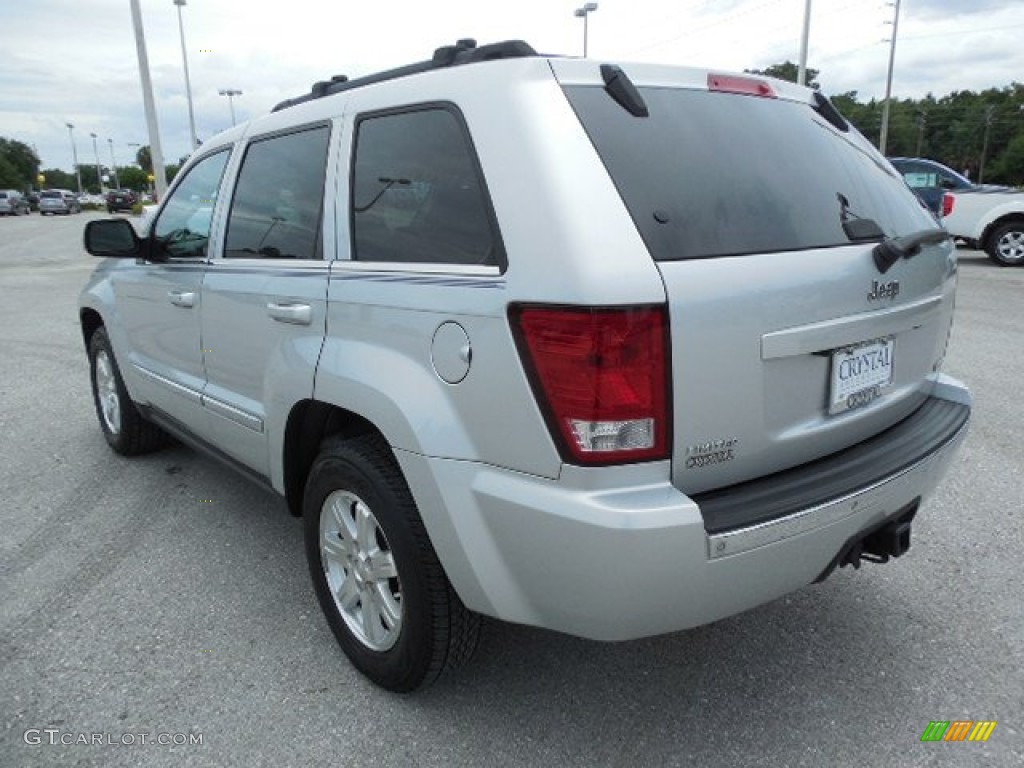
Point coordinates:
[[19, 165], [144, 158], [90, 182], [1009, 168], [787, 70], [9, 177], [133, 178], [58, 179]]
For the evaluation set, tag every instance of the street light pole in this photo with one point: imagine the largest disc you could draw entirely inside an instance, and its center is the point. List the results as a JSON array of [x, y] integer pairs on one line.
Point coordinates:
[[883, 139], [74, 154], [188, 84], [113, 164], [583, 13], [99, 173], [801, 72], [230, 93], [160, 177]]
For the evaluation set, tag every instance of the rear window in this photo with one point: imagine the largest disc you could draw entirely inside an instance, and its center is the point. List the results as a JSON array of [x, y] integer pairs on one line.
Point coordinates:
[[718, 174], [51, 195]]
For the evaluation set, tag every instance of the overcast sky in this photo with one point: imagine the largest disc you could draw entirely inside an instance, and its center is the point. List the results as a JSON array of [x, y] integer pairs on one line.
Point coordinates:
[[75, 60]]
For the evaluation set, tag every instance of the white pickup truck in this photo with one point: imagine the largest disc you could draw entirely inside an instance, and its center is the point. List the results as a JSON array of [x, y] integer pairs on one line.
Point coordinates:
[[991, 218]]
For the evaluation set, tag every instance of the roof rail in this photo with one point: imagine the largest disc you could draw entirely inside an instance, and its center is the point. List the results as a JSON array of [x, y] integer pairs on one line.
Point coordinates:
[[463, 52]]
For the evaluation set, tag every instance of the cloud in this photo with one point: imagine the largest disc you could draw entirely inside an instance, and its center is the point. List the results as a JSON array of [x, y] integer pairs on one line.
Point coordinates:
[[945, 9]]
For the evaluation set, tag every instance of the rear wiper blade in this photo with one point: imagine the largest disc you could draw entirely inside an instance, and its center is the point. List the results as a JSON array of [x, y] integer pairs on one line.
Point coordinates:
[[856, 227], [888, 252]]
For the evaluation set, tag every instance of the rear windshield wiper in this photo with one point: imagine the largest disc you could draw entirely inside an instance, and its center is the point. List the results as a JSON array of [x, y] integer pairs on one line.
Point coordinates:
[[889, 251], [857, 228]]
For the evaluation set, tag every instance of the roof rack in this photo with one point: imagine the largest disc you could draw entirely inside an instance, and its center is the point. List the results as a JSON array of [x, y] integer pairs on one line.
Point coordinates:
[[463, 52]]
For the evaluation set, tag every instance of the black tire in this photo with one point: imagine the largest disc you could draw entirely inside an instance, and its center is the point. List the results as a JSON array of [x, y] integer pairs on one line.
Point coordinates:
[[434, 631], [1005, 246], [129, 434]]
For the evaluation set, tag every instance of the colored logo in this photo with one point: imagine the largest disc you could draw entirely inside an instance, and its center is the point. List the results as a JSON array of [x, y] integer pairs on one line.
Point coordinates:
[[958, 730]]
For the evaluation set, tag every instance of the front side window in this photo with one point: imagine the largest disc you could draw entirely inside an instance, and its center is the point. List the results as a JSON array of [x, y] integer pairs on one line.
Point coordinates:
[[182, 230], [279, 198], [417, 193]]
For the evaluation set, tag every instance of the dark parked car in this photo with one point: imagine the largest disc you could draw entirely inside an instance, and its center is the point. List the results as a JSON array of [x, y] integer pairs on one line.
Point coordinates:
[[120, 200], [930, 180]]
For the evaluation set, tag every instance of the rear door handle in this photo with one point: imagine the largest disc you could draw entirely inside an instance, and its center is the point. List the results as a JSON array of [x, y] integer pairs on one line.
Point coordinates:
[[297, 314], [182, 298]]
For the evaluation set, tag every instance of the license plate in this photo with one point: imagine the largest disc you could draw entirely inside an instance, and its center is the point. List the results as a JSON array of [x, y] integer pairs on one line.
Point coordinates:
[[859, 374]]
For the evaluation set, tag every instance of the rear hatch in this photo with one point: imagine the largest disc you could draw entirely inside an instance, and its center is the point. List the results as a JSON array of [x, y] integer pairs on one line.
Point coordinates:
[[761, 208]]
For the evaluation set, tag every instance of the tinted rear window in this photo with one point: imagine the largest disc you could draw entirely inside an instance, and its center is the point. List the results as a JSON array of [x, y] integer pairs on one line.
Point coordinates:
[[52, 195], [716, 174]]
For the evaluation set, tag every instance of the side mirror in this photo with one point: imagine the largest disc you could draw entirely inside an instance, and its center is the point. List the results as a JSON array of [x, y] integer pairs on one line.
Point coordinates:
[[113, 238]]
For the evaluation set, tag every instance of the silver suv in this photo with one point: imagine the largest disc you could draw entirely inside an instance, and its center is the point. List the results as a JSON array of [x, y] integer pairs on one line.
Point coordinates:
[[611, 350], [56, 201]]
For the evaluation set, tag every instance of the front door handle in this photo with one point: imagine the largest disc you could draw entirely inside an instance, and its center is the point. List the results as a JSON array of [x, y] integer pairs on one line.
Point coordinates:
[[297, 314], [182, 298]]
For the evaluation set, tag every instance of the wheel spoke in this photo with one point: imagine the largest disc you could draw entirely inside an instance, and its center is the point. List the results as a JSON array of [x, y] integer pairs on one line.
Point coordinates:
[[346, 528], [370, 617], [366, 526], [382, 566], [347, 594], [334, 547], [388, 607]]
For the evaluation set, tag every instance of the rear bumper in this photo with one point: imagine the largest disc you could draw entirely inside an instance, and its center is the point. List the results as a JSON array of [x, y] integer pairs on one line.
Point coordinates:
[[621, 553]]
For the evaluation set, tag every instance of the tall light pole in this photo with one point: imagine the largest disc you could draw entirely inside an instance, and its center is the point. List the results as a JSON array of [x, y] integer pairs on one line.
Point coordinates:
[[74, 154], [188, 84], [99, 173], [884, 137], [160, 177], [113, 164], [801, 72], [230, 93], [583, 13]]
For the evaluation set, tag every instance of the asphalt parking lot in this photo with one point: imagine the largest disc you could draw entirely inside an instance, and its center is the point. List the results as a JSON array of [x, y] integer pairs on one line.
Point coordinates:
[[166, 595]]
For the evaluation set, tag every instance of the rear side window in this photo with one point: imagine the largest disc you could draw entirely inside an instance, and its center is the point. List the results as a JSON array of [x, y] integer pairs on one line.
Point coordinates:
[[279, 198], [717, 174], [417, 192]]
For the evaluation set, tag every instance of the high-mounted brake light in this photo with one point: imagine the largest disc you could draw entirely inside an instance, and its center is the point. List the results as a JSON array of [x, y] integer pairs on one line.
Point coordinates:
[[947, 204], [600, 376], [749, 86]]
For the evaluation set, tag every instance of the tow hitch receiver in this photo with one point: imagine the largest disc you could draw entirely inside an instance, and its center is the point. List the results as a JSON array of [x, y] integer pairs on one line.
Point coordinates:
[[878, 544], [891, 539]]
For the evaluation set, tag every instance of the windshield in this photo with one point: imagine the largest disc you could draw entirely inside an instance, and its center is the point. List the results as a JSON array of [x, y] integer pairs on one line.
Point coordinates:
[[718, 174]]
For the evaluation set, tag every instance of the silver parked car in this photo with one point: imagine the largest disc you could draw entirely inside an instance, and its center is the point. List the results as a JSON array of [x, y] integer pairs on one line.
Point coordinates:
[[614, 350], [13, 203], [59, 201]]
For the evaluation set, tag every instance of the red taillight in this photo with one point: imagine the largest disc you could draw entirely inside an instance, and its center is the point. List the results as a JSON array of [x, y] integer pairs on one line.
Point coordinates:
[[601, 378], [947, 204], [749, 86]]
